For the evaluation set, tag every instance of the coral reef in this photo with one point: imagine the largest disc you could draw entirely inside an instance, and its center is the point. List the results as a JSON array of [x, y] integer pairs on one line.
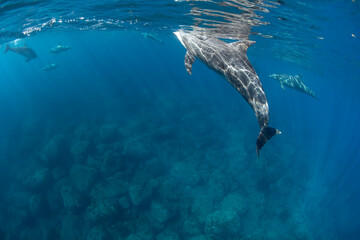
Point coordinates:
[[136, 175]]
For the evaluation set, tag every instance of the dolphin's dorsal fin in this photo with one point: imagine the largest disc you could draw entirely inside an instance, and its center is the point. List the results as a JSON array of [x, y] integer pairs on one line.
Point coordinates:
[[242, 45], [189, 60], [248, 43]]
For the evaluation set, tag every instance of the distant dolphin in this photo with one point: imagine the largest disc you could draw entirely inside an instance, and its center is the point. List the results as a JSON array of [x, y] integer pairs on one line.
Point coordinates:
[[59, 48], [152, 36], [293, 82], [24, 51], [230, 60], [50, 67]]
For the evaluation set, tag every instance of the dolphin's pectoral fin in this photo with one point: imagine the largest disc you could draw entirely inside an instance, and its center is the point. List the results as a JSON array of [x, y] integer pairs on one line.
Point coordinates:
[[27, 59], [189, 60], [282, 86]]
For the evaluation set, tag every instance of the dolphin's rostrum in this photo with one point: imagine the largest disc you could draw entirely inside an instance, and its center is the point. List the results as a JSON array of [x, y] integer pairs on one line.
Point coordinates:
[[230, 60]]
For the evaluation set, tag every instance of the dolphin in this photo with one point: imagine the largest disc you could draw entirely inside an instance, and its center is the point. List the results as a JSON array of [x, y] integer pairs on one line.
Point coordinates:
[[59, 48], [152, 36], [293, 82], [24, 51], [230, 60], [50, 67]]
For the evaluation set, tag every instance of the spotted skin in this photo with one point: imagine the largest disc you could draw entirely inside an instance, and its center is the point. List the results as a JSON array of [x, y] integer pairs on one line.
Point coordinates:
[[59, 49], [230, 60], [294, 82]]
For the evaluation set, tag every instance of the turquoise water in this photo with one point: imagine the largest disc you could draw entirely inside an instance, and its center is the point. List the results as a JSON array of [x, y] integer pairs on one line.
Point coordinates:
[[120, 142]]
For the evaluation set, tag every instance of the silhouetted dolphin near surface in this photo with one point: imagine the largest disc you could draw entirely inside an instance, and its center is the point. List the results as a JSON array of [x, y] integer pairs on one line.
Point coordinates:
[[293, 82], [24, 51], [230, 60], [59, 48]]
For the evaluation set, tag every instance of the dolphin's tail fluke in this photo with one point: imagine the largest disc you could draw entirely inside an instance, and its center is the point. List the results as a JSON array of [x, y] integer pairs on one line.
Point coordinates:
[[7, 48], [265, 135]]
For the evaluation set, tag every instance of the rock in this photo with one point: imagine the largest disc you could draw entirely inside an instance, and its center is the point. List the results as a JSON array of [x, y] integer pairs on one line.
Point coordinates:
[[108, 132], [144, 230], [159, 212], [136, 196], [58, 173], [36, 178], [256, 201], [141, 176], [102, 209], [185, 173], [133, 237], [192, 226], [156, 165], [212, 156], [71, 227], [84, 131], [79, 150], [101, 148], [203, 237], [234, 201], [111, 188], [120, 230], [19, 200], [93, 162], [140, 194], [238, 165], [83, 177], [218, 185], [98, 233], [34, 232], [164, 134], [19, 217], [201, 207], [54, 152], [35, 204], [136, 149], [124, 202], [167, 234], [72, 198], [110, 162], [222, 223], [54, 199]]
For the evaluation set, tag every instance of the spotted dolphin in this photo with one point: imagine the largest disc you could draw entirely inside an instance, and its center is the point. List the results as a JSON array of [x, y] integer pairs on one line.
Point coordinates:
[[230, 60], [59, 48], [50, 67], [152, 36], [25, 51], [294, 82]]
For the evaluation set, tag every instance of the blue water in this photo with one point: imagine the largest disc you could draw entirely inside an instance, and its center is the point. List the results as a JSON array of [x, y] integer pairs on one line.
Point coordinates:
[[120, 142]]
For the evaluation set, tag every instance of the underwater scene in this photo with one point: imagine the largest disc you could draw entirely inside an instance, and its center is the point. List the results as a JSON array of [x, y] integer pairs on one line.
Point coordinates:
[[180, 120]]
